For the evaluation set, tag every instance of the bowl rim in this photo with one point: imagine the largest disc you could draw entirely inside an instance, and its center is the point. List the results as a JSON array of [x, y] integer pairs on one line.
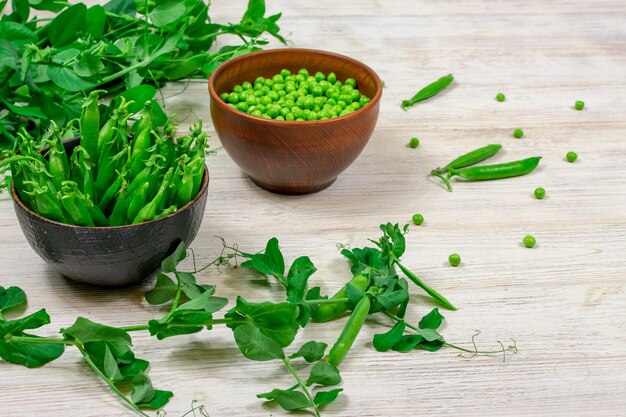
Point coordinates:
[[220, 103], [23, 207]]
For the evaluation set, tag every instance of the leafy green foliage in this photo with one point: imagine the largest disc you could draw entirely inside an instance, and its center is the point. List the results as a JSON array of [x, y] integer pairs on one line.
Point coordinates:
[[324, 374], [326, 397], [311, 351], [255, 345], [11, 297], [30, 355], [270, 262], [47, 67]]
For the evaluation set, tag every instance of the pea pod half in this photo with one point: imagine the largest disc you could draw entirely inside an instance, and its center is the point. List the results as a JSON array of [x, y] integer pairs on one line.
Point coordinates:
[[498, 171]]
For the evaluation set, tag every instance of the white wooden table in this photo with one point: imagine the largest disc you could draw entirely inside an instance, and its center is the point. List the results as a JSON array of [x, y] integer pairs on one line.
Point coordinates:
[[563, 302]]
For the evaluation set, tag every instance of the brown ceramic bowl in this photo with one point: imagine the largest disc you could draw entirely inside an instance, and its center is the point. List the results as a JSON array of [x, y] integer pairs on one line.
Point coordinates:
[[293, 157], [110, 256]]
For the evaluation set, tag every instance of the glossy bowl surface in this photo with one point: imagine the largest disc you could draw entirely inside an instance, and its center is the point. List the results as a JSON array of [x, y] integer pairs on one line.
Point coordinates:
[[110, 256], [293, 157]]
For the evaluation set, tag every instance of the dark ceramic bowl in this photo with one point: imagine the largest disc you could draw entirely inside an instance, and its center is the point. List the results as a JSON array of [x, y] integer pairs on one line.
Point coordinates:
[[110, 256], [293, 157]]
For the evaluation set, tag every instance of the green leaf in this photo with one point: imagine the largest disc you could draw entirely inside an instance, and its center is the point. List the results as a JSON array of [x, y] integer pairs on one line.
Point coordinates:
[[68, 79], [271, 262], [158, 401], [49, 5], [272, 395], [130, 370], [362, 258], [427, 339], [326, 397], [169, 264], [94, 21], [293, 400], [16, 33], [87, 331], [255, 10], [299, 273], [167, 12], [385, 341], [311, 351], [393, 298], [21, 9], [64, 28], [431, 320], [88, 65], [205, 302], [26, 111], [110, 367], [354, 295], [143, 391], [255, 345], [164, 290], [11, 297], [31, 355], [408, 342], [324, 374], [277, 321], [139, 95], [121, 7], [183, 69], [9, 56]]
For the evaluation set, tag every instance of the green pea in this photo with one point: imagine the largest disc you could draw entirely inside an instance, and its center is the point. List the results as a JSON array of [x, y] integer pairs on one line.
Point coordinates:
[[337, 108], [418, 219], [285, 73], [347, 89], [579, 105], [414, 143], [571, 156], [246, 85], [301, 92], [500, 97], [265, 100], [342, 104], [304, 72], [454, 259], [258, 93], [338, 84], [251, 109], [311, 79], [273, 95], [237, 89], [289, 103], [278, 87], [346, 98], [316, 108], [317, 91], [266, 116], [273, 111], [284, 111], [311, 116], [300, 78], [279, 117], [256, 113], [290, 117], [325, 85], [309, 103], [539, 193], [233, 98], [251, 99], [281, 93], [246, 93], [290, 87], [355, 95], [331, 78], [224, 96], [332, 112], [529, 241], [291, 78], [518, 133], [364, 100], [259, 81], [266, 89], [355, 105], [320, 101], [297, 112], [277, 78], [331, 101], [319, 76], [299, 119], [242, 106], [232, 105]]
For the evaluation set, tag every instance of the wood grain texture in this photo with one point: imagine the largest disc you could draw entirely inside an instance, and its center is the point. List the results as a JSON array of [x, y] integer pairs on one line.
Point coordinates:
[[563, 302]]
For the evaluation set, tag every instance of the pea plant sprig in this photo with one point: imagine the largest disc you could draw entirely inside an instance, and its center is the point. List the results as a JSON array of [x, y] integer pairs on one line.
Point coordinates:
[[263, 331]]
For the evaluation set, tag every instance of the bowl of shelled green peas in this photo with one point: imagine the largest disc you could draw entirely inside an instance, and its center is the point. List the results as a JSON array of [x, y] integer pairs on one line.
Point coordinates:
[[107, 206], [294, 119]]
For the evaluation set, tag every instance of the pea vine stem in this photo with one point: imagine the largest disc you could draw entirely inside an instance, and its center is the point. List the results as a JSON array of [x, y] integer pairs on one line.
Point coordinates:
[[110, 383], [301, 384], [328, 301], [40, 340]]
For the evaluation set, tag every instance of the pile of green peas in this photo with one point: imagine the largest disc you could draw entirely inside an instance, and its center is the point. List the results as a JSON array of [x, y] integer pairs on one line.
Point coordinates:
[[297, 97]]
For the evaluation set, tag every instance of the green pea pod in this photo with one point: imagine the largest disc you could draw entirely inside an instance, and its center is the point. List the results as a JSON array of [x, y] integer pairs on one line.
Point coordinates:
[[428, 91], [111, 192], [118, 216], [350, 331], [327, 312], [184, 190], [197, 169], [108, 171], [145, 119], [46, 201], [105, 136], [81, 171], [98, 216], [498, 171], [170, 210], [141, 151], [90, 124], [137, 200], [470, 158], [148, 212], [74, 203]]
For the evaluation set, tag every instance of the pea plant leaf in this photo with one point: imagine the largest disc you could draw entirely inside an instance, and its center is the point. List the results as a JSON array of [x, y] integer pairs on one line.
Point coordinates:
[[311, 351], [293, 400], [11, 297], [30, 355], [142, 389], [385, 341], [255, 345], [270, 262], [169, 264], [64, 28], [164, 290], [166, 12], [324, 374], [277, 321], [426, 336], [431, 320], [87, 331], [392, 243], [326, 397], [300, 271]]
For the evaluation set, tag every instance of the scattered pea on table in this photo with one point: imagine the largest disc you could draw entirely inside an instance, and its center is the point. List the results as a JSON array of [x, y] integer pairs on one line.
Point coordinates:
[[571, 156], [414, 143], [540, 193], [579, 105], [418, 219], [297, 97], [500, 97], [518, 133], [454, 259], [529, 241]]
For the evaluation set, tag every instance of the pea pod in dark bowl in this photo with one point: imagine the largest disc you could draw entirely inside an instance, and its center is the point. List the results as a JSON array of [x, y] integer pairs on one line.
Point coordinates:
[[110, 256]]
